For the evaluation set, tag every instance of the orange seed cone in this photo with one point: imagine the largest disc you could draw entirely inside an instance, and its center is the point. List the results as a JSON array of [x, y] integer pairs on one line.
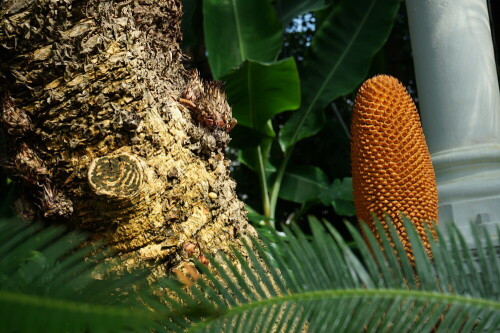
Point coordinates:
[[391, 166]]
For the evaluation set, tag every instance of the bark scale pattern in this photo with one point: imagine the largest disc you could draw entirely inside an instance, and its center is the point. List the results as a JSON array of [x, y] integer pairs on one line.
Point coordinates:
[[97, 137], [116, 176], [391, 165]]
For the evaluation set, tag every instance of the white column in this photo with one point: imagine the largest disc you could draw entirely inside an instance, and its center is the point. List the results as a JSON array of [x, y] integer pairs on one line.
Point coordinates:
[[460, 107]]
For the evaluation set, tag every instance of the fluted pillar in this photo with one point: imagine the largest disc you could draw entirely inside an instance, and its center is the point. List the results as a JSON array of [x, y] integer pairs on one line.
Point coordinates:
[[460, 107]]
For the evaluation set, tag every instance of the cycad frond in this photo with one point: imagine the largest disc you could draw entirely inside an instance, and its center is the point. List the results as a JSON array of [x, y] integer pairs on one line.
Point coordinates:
[[321, 285], [46, 285], [291, 284]]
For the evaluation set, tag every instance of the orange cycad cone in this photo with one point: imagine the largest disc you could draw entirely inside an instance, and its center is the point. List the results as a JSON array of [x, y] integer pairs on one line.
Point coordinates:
[[391, 165]]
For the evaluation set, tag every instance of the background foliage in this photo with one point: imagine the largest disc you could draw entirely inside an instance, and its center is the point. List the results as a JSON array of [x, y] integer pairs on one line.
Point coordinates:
[[292, 92]]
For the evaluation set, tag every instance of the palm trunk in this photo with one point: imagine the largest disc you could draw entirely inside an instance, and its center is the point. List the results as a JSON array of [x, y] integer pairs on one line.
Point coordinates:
[[107, 132]]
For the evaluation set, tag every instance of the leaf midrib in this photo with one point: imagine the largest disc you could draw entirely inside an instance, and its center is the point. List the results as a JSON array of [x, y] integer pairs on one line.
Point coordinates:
[[238, 31], [307, 180], [322, 87], [399, 294], [80, 308]]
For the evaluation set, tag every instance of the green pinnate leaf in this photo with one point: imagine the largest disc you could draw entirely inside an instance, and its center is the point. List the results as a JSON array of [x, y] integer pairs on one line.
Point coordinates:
[[239, 30]]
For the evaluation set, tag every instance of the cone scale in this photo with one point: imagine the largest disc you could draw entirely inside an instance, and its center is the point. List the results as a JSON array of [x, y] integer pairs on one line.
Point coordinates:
[[391, 165]]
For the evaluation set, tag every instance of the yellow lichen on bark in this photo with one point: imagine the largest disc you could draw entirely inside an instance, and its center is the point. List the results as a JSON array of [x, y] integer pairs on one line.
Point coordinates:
[[391, 165]]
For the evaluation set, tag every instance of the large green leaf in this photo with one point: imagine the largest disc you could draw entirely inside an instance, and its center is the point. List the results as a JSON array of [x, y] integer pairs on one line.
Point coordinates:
[[259, 91], [243, 137], [250, 157], [319, 284], [288, 9], [238, 30], [189, 35], [338, 60], [340, 195], [303, 183]]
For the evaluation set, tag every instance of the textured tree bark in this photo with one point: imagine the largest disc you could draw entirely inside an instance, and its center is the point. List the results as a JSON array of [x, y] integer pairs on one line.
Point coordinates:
[[108, 133]]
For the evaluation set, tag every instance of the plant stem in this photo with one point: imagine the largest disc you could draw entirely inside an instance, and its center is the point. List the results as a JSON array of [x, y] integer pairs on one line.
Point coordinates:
[[303, 209], [341, 121], [277, 183], [263, 186]]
